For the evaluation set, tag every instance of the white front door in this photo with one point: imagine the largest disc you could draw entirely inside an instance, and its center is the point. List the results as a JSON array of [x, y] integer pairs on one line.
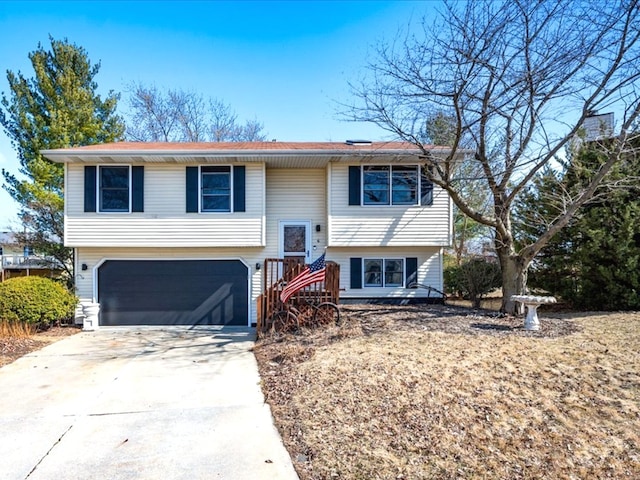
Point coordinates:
[[295, 239]]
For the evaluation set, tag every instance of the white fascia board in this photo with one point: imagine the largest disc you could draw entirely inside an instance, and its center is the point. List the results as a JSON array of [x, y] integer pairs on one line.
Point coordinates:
[[67, 155]]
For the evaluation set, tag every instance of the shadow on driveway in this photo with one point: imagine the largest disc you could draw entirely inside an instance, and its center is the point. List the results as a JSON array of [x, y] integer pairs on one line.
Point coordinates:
[[138, 403]]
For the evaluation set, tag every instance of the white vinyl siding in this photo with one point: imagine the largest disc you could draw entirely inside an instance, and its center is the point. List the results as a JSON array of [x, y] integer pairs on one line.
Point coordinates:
[[429, 270], [385, 225], [296, 195], [164, 222]]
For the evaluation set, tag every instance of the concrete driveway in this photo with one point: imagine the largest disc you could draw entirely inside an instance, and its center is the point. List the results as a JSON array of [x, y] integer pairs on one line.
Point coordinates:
[[139, 403]]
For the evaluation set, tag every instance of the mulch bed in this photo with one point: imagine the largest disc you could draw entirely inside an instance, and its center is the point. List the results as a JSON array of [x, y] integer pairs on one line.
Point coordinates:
[[12, 348], [451, 319]]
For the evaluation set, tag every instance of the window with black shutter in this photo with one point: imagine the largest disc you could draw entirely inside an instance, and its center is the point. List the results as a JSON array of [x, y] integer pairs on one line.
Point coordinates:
[[90, 183], [137, 188], [386, 185], [355, 265], [215, 189], [426, 190], [114, 188]]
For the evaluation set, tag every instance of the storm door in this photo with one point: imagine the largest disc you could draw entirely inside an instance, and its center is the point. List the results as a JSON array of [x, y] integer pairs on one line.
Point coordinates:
[[295, 240]]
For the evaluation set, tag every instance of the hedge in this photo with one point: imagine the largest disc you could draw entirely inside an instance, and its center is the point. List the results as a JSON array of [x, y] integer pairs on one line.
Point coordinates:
[[35, 301]]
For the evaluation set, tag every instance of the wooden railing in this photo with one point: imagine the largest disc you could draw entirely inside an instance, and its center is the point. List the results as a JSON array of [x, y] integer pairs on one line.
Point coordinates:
[[277, 272]]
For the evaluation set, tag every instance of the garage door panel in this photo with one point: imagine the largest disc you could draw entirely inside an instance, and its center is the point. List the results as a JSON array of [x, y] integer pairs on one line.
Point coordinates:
[[173, 292]]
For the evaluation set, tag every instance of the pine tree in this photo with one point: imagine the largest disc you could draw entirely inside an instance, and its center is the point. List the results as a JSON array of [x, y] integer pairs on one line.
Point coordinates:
[[58, 108], [594, 263]]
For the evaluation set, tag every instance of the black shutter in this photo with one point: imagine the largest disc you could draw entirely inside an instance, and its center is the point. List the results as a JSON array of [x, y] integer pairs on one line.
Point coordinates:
[[411, 264], [192, 189], [354, 185], [90, 173], [426, 190], [356, 272], [137, 189], [239, 189]]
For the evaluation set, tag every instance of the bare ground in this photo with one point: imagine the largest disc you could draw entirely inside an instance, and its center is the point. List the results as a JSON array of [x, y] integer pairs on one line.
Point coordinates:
[[417, 392]]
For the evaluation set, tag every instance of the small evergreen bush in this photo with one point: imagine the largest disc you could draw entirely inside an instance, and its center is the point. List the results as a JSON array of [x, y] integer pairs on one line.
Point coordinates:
[[36, 301], [473, 279]]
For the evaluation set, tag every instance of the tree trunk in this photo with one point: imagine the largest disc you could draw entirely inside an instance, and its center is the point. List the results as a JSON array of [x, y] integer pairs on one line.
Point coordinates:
[[514, 281], [477, 301]]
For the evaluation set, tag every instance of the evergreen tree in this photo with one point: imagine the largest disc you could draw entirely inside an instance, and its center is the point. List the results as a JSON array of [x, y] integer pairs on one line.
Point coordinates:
[[595, 262], [58, 108]]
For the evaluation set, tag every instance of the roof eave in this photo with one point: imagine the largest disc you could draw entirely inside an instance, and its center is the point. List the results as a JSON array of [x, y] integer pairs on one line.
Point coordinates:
[[62, 156]]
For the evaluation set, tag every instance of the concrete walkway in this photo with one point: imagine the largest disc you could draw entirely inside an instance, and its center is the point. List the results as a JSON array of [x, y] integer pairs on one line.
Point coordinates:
[[142, 403]]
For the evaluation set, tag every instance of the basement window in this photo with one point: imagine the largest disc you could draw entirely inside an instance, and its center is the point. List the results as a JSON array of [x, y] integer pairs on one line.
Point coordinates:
[[383, 272]]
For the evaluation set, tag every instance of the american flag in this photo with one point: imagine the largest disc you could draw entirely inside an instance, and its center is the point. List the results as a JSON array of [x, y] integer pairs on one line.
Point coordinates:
[[311, 274]]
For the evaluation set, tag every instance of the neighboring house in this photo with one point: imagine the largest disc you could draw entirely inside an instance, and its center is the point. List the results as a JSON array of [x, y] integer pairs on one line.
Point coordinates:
[[20, 260], [598, 126], [176, 233]]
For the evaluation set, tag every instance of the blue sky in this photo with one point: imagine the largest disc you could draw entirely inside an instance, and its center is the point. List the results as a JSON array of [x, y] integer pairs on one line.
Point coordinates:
[[286, 63]]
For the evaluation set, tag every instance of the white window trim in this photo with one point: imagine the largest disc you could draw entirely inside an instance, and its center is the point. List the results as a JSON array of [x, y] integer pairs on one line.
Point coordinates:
[[208, 212], [99, 191], [390, 204], [384, 260]]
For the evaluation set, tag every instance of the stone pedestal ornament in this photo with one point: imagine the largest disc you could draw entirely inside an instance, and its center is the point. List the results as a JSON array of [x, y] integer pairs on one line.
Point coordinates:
[[90, 311], [78, 317], [532, 302]]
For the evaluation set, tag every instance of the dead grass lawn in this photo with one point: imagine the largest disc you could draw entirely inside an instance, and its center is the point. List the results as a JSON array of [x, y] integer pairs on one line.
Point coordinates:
[[420, 392]]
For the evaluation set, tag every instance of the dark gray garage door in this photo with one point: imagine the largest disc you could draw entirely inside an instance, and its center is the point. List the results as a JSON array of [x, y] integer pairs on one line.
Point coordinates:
[[173, 292]]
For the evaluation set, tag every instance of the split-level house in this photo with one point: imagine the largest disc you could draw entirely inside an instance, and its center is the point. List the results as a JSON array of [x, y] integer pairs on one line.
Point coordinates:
[[177, 233]]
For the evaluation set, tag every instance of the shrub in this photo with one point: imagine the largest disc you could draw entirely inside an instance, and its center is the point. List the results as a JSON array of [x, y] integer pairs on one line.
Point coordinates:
[[35, 301], [474, 278], [479, 278], [453, 282]]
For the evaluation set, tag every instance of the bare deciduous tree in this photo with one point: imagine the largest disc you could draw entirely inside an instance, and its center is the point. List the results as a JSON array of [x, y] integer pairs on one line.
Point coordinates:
[[153, 118], [519, 78], [440, 129], [180, 116]]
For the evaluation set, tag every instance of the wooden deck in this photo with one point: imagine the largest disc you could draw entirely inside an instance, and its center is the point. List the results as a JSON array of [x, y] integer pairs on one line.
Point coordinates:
[[277, 272]]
